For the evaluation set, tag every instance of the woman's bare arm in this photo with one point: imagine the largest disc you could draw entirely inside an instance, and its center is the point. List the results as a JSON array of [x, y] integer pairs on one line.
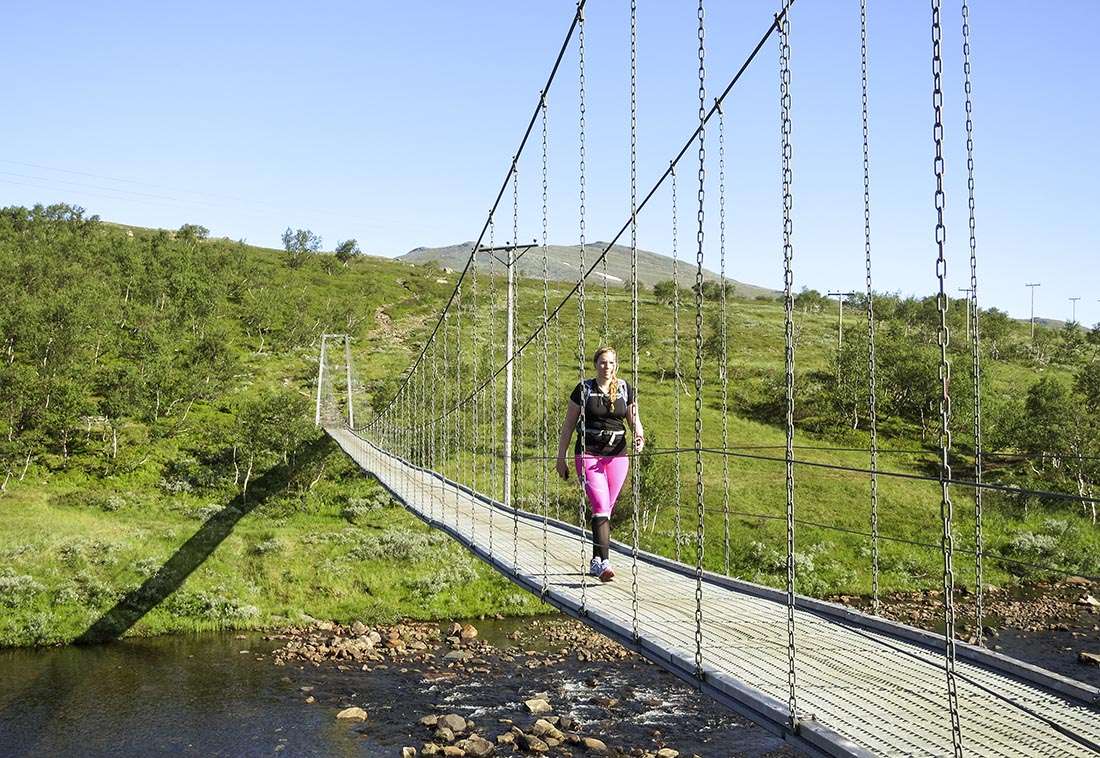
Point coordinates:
[[572, 413]]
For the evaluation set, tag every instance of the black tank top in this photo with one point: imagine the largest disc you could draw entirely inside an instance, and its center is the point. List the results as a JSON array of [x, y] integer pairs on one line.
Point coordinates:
[[605, 432]]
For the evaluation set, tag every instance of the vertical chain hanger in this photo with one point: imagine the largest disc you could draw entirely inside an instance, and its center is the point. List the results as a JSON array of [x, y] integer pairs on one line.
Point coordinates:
[[975, 344], [580, 300], [723, 318], [700, 526], [545, 345], [872, 384], [943, 337], [788, 312], [635, 473], [676, 360]]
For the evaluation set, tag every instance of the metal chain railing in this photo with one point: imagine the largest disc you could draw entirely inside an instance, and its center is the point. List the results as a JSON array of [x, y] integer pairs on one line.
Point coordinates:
[[788, 308], [945, 391]]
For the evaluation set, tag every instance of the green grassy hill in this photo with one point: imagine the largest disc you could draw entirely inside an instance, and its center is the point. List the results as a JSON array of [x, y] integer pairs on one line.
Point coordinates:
[[161, 472]]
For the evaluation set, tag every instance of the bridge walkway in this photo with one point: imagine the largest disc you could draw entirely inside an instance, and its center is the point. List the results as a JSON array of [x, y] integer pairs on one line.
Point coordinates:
[[865, 686]]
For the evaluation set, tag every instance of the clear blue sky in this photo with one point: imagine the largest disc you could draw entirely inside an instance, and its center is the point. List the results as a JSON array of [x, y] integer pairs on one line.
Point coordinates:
[[394, 123]]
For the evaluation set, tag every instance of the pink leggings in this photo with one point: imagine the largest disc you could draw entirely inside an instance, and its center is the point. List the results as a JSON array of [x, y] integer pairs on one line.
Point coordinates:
[[603, 477]]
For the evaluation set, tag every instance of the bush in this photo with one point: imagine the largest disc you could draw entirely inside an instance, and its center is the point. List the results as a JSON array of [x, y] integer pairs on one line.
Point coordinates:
[[358, 508], [213, 605], [455, 574], [17, 589], [267, 547], [1031, 547], [85, 589], [397, 545]]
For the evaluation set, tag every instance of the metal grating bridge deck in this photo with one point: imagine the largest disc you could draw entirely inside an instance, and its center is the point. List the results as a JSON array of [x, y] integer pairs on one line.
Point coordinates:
[[865, 686]]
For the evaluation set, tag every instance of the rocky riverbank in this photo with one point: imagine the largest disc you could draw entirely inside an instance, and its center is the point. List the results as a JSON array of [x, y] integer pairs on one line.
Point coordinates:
[[548, 686]]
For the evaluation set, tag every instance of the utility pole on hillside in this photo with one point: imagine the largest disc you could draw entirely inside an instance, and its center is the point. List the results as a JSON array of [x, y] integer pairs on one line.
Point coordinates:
[[1073, 318], [509, 261], [840, 329], [840, 319], [967, 290], [1033, 286]]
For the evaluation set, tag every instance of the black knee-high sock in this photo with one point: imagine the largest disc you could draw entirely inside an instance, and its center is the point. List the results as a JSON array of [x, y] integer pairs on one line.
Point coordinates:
[[601, 537]]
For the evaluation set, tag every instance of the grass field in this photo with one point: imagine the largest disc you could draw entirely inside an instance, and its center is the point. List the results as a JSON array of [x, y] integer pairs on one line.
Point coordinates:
[[72, 542]]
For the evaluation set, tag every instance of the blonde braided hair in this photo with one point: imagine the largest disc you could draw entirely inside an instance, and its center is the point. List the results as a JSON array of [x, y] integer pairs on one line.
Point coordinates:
[[613, 389]]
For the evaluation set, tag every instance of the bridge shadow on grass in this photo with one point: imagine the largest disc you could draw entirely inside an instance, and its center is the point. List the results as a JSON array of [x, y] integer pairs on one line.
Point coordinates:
[[191, 554]]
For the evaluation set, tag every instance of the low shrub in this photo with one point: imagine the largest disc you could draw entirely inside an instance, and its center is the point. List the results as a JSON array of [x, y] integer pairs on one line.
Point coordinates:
[[17, 590]]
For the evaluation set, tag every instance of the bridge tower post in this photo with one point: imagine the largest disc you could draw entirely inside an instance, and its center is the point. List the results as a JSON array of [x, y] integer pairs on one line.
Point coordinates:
[[320, 380], [509, 346], [347, 365]]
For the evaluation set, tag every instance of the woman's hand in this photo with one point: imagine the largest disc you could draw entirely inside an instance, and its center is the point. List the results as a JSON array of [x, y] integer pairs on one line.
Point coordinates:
[[563, 468], [639, 442]]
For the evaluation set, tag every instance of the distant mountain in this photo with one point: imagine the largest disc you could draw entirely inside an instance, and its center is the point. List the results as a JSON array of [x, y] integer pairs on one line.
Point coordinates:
[[563, 264]]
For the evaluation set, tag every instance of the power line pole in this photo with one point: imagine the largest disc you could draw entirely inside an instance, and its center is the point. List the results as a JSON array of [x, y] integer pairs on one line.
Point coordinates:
[[1033, 286], [840, 330], [840, 321], [1073, 318], [967, 290]]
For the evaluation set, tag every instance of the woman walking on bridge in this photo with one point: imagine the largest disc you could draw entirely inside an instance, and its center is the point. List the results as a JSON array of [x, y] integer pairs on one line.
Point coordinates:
[[600, 450]]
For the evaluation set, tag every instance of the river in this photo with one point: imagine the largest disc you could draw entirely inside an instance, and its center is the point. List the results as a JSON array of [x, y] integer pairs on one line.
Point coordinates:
[[228, 695]]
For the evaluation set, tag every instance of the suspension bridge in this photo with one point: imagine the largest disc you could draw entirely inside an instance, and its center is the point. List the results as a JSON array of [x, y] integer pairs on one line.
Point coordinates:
[[831, 680]]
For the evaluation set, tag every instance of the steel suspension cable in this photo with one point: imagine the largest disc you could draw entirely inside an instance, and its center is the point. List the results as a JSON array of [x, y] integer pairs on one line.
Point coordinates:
[[700, 525], [945, 394], [788, 312], [635, 472], [587, 271], [475, 360], [872, 384], [723, 317], [504, 185], [975, 345]]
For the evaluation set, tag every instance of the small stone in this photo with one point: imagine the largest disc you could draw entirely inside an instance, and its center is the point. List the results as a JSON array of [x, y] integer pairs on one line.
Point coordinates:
[[593, 745], [430, 748], [667, 752], [430, 720], [359, 629], [468, 632], [537, 706], [543, 728], [566, 722], [454, 750], [506, 739], [477, 746], [531, 743], [1089, 601], [456, 630], [454, 722], [458, 655], [1088, 659], [443, 734], [408, 752], [1077, 581], [374, 637], [311, 699], [352, 714]]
